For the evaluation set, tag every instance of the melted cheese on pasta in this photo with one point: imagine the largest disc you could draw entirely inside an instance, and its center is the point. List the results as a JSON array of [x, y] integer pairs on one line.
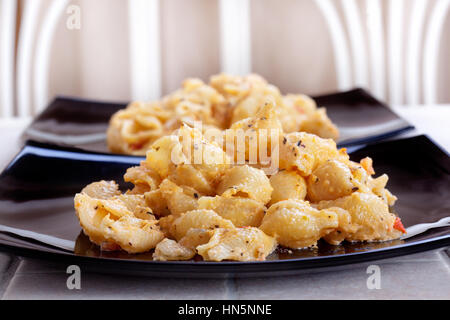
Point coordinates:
[[194, 196]]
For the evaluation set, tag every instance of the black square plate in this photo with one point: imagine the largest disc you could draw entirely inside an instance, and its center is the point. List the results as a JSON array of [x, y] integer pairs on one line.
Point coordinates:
[[82, 123], [38, 219]]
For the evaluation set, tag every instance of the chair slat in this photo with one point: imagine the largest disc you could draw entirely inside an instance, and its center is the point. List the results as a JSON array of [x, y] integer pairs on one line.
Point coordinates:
[[395, 51], [341, 52], [145, 49], [357, 43], [235, 50], [25, 56], [431, 50], [8, 11], [376, 48], [43, 51], [416, 26]]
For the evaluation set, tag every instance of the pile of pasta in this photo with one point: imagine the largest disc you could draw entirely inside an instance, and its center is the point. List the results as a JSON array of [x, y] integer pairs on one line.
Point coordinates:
[[220, 209], [224, 101]]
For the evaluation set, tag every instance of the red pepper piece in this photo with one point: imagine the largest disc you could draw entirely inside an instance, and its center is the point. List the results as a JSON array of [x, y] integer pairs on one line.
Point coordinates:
[[399, 225], [136, 146]]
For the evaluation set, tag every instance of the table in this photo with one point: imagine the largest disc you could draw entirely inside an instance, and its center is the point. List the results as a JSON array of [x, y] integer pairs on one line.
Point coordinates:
[[423, 275]]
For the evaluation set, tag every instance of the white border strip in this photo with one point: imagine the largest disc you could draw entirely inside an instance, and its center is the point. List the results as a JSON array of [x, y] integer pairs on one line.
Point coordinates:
[[8, 12], [431, 54], [358, 45], [43, 52], [395, 40], [416, 25], [235, 38], [145, 49], [421, 228], [376, 47], [24, 56]]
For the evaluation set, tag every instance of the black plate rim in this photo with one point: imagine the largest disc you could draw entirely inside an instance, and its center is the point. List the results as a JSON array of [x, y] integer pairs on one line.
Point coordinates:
[[236, 263], [219, 267]]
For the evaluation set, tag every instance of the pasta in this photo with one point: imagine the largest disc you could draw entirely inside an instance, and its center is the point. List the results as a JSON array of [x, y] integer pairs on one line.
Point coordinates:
[[196, 237], [243, 244], [241, 212], [253, 138], [329, 181], [370, 214], [178, 199], [250, 180], [287, 185], [226, 100], [198, 219], [168, 250], [113, 221], [245, 181]]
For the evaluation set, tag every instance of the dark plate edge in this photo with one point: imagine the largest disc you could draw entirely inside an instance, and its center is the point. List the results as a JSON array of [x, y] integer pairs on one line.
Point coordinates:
[[345, 143], [23, 138], [58, 147], [228, 268], [374, 139]]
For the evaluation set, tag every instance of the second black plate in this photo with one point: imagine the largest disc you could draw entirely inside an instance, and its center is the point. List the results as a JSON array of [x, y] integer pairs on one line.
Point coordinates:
[[82, 123]]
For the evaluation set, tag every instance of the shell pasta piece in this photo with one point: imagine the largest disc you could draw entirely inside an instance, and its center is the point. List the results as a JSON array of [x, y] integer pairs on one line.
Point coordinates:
[[246, 182], [243, 212], [239, 244], [109, 224], [329, 181], [198, 219], [169, 250], [370, 214], [295, 224], [287, 185]]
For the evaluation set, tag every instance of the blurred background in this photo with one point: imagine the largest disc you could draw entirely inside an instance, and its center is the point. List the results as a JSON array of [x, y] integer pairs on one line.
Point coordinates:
[[120, 50]]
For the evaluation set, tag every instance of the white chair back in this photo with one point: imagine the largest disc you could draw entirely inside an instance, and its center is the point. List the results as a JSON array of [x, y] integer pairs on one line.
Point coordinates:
[[33, 54], [371, 60], [366, 55], [145, 48]]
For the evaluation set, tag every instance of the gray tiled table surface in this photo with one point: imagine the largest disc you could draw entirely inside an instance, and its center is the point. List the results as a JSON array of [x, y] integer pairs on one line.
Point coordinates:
[[424, 275]]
